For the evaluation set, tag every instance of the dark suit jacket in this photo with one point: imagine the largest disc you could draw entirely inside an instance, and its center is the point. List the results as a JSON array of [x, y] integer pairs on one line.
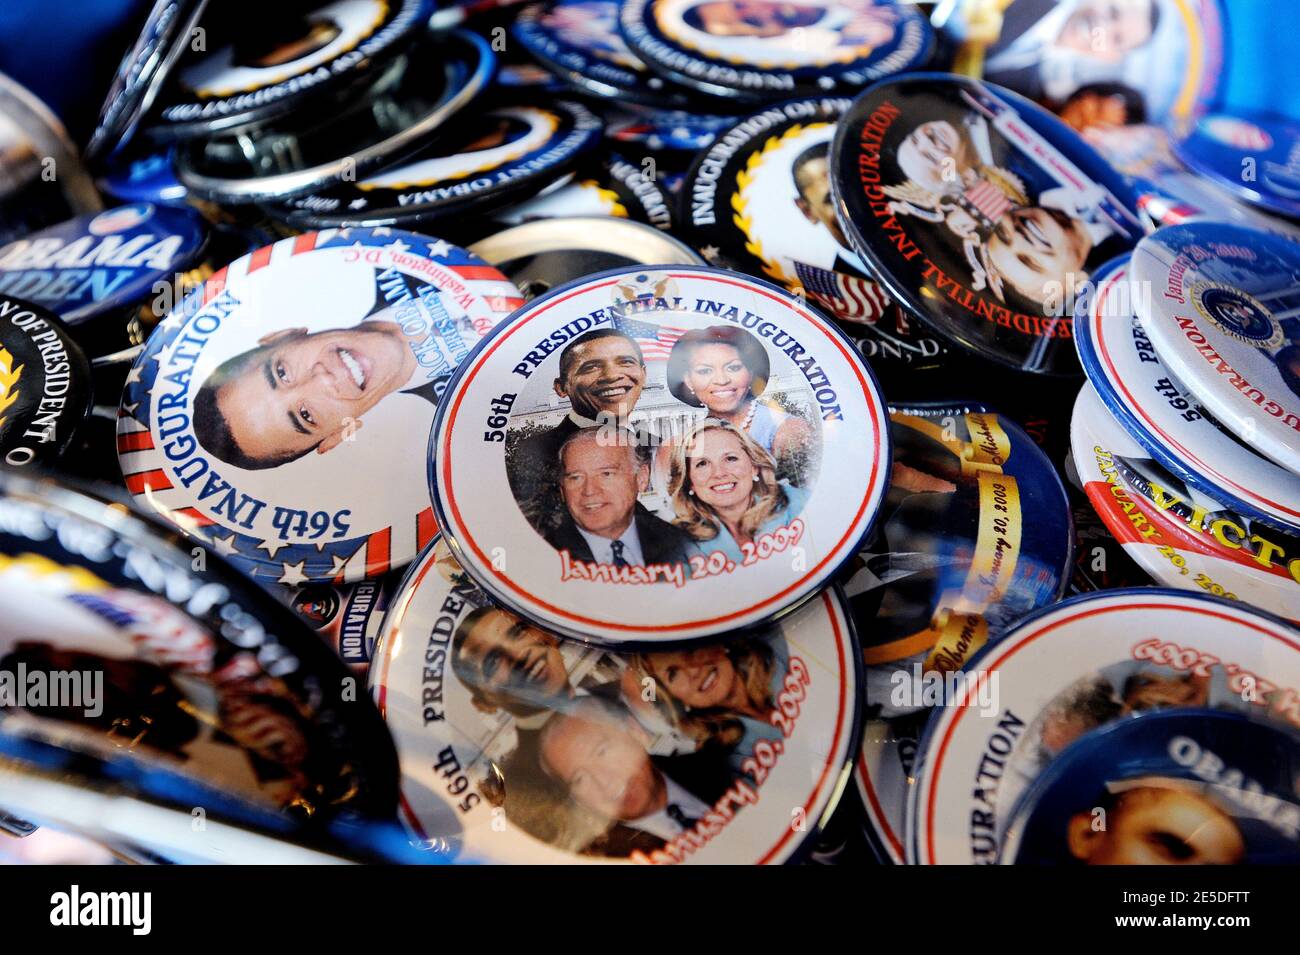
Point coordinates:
[[535, 475], [661, 542], [705, 774]]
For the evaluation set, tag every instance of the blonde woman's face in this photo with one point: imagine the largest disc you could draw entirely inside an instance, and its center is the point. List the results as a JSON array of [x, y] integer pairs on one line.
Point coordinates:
[[700, 678], [722, 475], [719, 378]]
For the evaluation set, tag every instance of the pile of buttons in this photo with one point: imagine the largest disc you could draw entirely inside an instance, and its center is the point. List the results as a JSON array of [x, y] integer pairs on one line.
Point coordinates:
[[657, 431]]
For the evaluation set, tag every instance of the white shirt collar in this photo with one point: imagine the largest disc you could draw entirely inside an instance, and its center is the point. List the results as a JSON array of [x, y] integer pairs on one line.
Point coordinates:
[[664, 826], [602, 547]]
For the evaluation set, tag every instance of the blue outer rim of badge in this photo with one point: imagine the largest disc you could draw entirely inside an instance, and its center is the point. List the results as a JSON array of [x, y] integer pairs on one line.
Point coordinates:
[[141, 74], [506, 191], [1124, 414], [926, 741], [167, 220], [1045, 124], [316, 560], [1071, 760], [1223, 166], [1051, 475], [837, 792], [202, 117], [636, 23], [591, 74], [832, 573]]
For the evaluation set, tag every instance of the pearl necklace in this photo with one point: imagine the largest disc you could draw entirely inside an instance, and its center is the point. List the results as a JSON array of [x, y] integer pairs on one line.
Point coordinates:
[[749, 415]]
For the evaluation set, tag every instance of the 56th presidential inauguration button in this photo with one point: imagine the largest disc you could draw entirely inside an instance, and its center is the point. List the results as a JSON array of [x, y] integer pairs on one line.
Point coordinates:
[[1223, 317], [521, 746], [659, 454], [979, 211], [283, 409]]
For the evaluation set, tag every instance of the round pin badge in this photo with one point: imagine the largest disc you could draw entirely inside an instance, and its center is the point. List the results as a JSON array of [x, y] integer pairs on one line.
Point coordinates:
[[1194, 787], [579, 41], [340, 141], [613, 187], [1222, 317], [1159, 414], [975, 533], [245, 76], [1181, 537], [1137, 61], [759, 200], [483, 161], [979, 212], [1071, 668], [659, 454], [259, 409], [496, 723], [539, 256], [167, 33], [185, 664], [91, 269], [45, 385], [763, 50], [1222, 146]]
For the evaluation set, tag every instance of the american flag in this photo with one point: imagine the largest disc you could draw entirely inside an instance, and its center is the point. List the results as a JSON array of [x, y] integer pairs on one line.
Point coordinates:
[[847, 297], [988, 200], [656, 341]]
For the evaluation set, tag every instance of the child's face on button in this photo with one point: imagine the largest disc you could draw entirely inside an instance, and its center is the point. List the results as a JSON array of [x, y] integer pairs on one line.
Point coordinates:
[[1150, 825]]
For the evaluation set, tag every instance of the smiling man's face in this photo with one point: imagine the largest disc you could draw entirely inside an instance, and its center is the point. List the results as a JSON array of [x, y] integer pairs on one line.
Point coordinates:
[[299, 391], [606, 375], [600, 483], [512, 660], [603, 765]]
